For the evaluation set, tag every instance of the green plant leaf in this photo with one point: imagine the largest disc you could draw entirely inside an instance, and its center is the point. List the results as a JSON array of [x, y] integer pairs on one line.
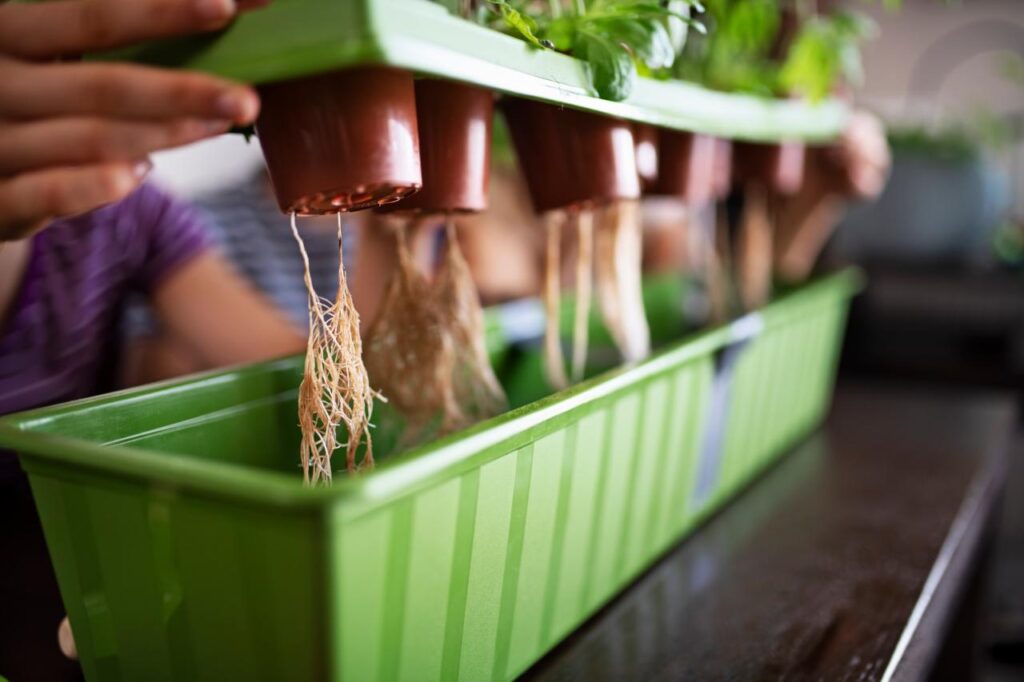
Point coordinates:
[[611, 65], [647, 39], [851, 26], [523, 23], [562, 33], [749, 25], [678, 28], [825, 50]]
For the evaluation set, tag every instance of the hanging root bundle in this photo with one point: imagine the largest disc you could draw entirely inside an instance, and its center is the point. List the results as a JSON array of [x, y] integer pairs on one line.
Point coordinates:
[[721, 270], [477, 390], [554, 361], [708, 234], [335, 388], [409, 353], [584, 286], [617, 271], [754, 251], [426, 350]]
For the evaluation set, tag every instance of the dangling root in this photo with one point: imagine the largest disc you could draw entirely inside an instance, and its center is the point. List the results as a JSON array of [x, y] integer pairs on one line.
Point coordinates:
[[755, 249], [409, 353], [722, 287], [617, 271], [335, 387], [584, 286], [426, 349], [711, 267], [476, 386], [554, 361]]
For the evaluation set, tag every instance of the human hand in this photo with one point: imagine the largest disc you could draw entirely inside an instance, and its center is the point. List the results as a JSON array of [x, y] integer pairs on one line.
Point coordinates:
[[858, 164], [76, 135]]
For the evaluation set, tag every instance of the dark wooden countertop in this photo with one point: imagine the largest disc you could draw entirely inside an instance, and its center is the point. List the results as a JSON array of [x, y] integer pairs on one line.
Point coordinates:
[[841, 563]]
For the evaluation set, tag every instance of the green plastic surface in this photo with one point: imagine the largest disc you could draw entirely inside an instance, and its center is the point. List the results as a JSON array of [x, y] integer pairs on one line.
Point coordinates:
[[291, 38], [187, 549]]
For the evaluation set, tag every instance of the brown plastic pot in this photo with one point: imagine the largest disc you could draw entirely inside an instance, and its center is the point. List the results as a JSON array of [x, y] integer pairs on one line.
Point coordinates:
[[571, 158], [455, 148], [686, 166], [779, 167], [645, 141], [341, 141]]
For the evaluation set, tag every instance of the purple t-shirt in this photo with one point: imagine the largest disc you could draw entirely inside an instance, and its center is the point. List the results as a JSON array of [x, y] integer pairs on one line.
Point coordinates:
[[60, 340]]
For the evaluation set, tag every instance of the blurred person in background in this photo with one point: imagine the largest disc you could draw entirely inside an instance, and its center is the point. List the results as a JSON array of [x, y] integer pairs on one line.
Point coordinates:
[[251, 234], [79, 233]]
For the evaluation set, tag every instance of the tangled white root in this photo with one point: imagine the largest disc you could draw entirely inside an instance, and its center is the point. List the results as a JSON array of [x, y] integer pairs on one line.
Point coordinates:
[[476, 387], [427, 350], [554, 360], [584, 288], [617, 272], [754, 251], [335, 387]]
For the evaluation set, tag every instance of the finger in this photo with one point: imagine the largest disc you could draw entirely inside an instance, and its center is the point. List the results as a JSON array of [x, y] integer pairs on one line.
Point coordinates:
[[45, 30], [81, 141], [30, 200], [120, 90], [868, 182]]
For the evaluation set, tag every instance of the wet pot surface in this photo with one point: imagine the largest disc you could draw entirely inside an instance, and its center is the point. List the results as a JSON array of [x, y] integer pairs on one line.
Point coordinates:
[[341, 141], [645, 138], [686, 166], [570, 157], [455, 147], [779, 166]]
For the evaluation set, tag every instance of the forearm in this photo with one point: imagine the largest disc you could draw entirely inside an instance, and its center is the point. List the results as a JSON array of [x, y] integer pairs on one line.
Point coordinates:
[[219, 319]]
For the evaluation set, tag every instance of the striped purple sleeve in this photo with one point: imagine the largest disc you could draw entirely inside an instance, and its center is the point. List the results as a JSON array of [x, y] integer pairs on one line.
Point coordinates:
[[170, 233]]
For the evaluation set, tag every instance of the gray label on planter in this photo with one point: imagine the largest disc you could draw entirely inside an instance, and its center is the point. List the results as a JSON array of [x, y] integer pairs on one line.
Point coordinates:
[[522, 321], [709, 462]]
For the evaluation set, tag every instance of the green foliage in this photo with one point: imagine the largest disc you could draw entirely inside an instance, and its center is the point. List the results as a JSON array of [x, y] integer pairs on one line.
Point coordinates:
[[981, 132], [735, 55], [1008, 244], [953, 145], [611, 67], [519, 21], [826, 50], [743, 51], [613, 37]]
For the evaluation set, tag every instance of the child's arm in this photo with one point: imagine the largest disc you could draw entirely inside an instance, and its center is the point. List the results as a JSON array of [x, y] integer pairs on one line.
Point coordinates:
[[74, 136], [212, 314], [209, 316]]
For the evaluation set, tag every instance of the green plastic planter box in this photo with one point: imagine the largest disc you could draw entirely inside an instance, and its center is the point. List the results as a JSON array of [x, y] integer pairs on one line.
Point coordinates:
[[291, 38], [187, 549]]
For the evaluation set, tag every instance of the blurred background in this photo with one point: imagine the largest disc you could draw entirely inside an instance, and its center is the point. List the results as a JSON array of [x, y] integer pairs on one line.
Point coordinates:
[[944, 249], [943, 246]]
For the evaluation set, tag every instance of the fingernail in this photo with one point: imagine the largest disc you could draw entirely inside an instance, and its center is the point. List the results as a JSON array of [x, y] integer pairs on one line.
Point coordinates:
[[215, 10], [239, 105], [141, 169]]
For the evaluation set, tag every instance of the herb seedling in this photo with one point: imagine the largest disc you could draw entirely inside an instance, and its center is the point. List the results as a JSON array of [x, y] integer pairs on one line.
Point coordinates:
[[613, 37], [743, 50]]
